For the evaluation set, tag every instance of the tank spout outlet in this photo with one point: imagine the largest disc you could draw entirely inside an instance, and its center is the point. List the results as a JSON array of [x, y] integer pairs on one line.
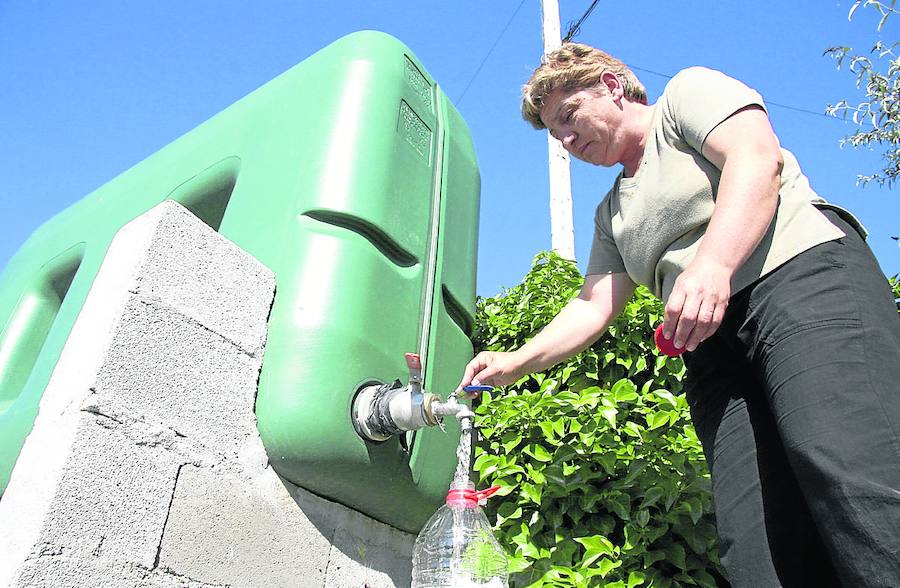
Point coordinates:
[[452, 407], [381, 411]]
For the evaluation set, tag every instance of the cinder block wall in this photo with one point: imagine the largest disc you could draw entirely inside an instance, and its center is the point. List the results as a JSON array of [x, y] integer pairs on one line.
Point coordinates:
[[145, 468]]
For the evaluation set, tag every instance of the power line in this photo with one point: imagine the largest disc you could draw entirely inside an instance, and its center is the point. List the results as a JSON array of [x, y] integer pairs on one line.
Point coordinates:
[[488, 54], [574, 29], [768, 102]]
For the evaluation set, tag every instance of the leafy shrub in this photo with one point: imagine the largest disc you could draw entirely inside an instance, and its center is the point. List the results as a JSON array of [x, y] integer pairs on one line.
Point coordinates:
[[894, 281], [603, 478]]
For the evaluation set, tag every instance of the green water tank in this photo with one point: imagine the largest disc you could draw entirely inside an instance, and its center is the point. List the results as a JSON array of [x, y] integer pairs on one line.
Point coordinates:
[[353, 178]]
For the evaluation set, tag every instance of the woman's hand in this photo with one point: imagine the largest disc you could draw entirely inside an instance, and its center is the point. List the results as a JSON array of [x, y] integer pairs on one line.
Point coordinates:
[[697, 303], [492, 368]]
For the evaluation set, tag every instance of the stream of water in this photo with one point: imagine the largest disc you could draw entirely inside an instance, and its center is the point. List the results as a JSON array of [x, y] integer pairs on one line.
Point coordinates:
[[463, 455]]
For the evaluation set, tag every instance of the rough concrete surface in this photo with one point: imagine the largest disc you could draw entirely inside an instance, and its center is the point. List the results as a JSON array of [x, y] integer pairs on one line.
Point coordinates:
[[220, 531], [144, 467], [173, 359], [200, 278], [122, 513]]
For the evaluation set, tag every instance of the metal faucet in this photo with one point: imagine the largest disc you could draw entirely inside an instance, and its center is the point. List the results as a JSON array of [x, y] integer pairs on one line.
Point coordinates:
[[382, 410]]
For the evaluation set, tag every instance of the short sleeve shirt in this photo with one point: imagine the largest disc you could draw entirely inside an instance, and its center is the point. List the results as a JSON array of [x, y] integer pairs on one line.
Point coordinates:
[[651, 225]]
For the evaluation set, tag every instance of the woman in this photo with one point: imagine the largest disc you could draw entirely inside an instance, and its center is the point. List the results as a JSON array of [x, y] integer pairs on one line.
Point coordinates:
[[792, 336]]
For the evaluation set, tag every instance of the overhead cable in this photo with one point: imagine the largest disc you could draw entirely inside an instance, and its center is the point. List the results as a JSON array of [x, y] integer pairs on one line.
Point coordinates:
[[768, 102], [488, 54], [574, 29]]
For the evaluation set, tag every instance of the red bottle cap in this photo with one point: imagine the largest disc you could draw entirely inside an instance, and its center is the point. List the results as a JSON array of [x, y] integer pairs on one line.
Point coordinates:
[[666, 346]]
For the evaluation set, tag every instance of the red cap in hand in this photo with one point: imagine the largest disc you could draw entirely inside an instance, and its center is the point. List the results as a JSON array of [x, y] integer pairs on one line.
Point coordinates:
[[666, 346]]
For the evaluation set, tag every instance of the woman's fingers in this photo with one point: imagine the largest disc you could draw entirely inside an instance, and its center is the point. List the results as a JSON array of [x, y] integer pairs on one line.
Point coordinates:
[[491, 368], [696, 307]]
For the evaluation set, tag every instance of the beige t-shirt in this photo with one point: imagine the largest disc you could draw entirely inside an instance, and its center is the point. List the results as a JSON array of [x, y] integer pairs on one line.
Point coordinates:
[[651, 225]]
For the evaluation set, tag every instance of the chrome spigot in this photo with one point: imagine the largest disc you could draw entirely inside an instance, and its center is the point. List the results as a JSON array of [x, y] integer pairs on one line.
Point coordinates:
[[381, 411]]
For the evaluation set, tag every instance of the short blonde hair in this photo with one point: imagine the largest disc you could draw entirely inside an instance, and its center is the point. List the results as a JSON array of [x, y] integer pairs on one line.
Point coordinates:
[[574, 66]]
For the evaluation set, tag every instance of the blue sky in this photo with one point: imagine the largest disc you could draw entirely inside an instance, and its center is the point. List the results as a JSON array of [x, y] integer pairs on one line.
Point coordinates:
[[91, 88]]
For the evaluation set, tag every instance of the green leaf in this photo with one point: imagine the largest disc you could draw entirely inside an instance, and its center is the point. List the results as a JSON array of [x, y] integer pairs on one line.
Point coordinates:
[[675, 555], [508, 510], [635, 579], [608, 461], [631, 428], [667, 397], [660, 363], [565, 550], [510, 440], [651, 557], [606, 566], [704, 578], [535, 475], [610, 415], [538, 452], [485, 464], [652, 496], [597, 544], [640, 365], [624, 391], [547, 430], [532, 492], [656, 420], [516, 564], [559, 427], [620, 504], [595, 547]]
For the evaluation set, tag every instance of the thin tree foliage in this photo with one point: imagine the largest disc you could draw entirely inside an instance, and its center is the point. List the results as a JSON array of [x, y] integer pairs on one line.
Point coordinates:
[[878, 115]]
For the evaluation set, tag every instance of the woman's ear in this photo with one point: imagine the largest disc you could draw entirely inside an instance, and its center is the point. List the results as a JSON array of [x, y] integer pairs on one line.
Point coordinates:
[[610, 81]]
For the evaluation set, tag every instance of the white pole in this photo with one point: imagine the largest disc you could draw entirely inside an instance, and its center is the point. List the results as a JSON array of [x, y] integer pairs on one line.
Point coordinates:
[[562, 235]]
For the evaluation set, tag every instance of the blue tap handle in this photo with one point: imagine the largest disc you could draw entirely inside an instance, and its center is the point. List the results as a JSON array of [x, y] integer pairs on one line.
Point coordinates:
[[478, 388]]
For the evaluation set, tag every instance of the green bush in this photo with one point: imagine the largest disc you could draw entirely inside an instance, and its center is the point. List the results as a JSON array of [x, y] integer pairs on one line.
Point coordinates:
[[603, 478], [894, 281]]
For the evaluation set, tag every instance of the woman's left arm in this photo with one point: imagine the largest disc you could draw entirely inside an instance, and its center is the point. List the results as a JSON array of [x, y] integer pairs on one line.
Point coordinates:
[[745, 149]]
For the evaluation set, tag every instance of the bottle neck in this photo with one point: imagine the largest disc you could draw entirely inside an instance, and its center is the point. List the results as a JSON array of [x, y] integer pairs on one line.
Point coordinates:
[[463, 498]]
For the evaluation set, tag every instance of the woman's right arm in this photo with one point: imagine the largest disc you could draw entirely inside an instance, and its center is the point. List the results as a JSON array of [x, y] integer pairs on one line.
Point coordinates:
[[575, 328]]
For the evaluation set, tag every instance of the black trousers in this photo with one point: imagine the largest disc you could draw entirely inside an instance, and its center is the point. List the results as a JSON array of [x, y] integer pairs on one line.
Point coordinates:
[[796, 400]]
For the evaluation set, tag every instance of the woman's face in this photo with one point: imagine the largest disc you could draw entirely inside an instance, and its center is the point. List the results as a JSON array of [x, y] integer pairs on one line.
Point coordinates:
[[587, 122]]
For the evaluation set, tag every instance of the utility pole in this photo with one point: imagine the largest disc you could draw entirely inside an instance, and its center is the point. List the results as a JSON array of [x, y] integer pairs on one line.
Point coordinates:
[[562, 235]]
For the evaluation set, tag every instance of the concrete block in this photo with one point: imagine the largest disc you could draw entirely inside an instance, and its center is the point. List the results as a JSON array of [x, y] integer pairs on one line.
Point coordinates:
[[364, 551], [112, 498], [221, 530], [163, 368], [370, 555], [61, 571], [191, 268]]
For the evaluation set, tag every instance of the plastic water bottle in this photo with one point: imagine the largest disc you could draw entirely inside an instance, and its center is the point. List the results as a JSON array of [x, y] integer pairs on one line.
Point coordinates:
[[457, 548]]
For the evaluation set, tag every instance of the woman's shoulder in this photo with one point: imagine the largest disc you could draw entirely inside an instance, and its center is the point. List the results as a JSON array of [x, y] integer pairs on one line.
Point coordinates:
[[692, 76]]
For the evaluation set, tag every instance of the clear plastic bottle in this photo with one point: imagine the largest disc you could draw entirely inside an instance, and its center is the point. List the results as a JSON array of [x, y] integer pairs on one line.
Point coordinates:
[[457, 548]]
